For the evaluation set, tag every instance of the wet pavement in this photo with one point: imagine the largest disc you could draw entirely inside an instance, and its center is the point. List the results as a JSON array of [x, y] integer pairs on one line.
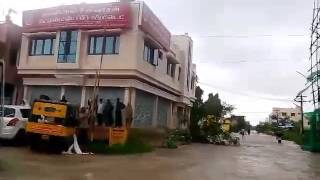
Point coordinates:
[[259, 157]]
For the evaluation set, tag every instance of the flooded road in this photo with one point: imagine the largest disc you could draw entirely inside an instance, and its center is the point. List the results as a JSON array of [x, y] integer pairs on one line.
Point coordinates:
[[259, 157]]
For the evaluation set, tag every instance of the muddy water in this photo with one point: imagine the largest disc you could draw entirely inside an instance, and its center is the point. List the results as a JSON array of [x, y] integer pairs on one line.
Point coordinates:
[[259, 157]]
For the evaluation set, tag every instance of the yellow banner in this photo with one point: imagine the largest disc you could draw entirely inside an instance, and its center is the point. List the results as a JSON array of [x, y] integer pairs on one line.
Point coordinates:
[[49, 129], [118, 136], [49, 109]]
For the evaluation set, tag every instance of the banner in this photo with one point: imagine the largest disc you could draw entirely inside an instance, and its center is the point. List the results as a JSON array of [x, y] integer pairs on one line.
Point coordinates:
[[118, 136], [79, 16]]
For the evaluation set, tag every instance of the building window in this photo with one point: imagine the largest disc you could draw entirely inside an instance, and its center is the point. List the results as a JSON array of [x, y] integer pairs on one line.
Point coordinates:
[[104, 45], [42, 46], [293, 114], [283, 114], [168, 68], [150, 54], [179, 73], [160, 55], [67, 47], [171, 69], [193, 80]]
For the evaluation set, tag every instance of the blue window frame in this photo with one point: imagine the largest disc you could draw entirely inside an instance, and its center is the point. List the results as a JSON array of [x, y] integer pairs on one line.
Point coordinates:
[[104, 44], [40, 46], [67, 47]]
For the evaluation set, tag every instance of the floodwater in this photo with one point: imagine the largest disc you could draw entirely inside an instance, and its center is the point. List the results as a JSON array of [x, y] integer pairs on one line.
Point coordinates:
[[258, 158]]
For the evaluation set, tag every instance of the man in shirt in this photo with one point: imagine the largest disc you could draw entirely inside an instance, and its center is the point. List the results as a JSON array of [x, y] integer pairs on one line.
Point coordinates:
[[100, 112]]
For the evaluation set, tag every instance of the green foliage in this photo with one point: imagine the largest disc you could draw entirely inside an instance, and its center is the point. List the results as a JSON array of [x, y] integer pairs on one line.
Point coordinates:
[[199, 112], [294, 136], [213, 106], [227, 108], [134, 145], [176, 137]]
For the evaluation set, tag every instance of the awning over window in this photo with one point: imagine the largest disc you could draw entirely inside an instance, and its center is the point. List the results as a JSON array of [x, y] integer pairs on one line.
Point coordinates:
[[172, 58]]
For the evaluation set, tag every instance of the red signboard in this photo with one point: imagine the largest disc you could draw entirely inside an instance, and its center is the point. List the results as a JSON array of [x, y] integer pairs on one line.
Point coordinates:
[[151, 24], [80, 16]]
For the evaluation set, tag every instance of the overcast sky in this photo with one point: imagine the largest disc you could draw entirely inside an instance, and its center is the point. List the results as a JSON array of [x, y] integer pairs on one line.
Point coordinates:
[[248, 51]]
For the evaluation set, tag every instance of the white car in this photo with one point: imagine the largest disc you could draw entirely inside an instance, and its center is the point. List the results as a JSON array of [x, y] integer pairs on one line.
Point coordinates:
[[14, 122]]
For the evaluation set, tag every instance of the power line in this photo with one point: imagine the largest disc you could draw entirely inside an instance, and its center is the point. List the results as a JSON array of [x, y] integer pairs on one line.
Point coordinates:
[[247, 61], [246, 94], [253, 36]]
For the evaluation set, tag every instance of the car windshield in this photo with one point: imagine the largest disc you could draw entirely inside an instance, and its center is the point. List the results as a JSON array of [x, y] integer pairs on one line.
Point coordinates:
[[25, 113], [8, 112]]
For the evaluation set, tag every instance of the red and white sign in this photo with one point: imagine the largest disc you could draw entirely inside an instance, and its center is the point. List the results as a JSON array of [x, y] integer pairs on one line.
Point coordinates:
[[80, 16], [151, 24]]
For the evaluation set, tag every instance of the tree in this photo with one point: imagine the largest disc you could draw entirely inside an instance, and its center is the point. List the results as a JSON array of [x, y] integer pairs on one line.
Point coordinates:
[[197, 113], [198, 94], [227, 108], [213, 106]]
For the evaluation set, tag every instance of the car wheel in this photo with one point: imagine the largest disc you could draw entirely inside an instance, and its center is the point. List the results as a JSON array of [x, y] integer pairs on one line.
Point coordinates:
[[20, 138], [34, 141]]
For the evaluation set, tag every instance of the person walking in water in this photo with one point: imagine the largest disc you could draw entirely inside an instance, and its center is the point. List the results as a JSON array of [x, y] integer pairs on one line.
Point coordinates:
[[108, 113], [242, 132], [119, 107]]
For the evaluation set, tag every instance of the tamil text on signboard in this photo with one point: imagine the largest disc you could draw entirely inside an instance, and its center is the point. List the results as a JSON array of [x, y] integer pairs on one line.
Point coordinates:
[[86, 16], [117, 136]]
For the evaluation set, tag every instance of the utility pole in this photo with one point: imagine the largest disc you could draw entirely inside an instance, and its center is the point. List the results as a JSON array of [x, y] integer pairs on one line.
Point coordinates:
[[299, 98]]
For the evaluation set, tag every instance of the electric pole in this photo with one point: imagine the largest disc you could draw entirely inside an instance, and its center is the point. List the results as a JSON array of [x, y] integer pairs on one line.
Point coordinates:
[[299, 98]]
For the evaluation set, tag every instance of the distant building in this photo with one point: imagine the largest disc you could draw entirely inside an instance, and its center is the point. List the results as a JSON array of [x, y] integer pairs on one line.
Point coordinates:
[[141, 62], [294, 114], [10, 38], [285, 115]]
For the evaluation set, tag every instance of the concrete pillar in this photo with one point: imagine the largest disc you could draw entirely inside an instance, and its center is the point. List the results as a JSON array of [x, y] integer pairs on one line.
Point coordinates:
[[83, 96], [155, 112], [170, 117], [63, 91], [26, 95], [126, 96], [132, 92], [14, 95]]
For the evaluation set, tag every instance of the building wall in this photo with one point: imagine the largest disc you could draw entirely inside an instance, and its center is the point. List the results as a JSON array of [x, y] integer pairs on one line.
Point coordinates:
[[10, 35], [156, 96], [288, 111], [144, 109]]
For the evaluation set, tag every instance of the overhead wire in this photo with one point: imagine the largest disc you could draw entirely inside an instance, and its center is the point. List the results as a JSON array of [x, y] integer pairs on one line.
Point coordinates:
[[246, 94]]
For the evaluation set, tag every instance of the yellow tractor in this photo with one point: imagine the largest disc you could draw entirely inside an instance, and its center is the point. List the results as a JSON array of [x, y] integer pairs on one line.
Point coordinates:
[[51, 125]]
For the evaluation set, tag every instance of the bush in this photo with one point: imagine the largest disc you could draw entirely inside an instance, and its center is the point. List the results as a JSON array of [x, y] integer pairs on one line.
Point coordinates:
[[293, 136], [134, 145], [176, 137]]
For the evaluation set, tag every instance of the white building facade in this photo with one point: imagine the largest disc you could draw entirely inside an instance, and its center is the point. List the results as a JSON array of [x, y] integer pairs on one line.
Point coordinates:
[[64, 47]]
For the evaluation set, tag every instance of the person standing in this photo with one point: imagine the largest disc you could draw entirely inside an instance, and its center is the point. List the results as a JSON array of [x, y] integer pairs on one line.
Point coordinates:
[[242, 132], [108, 113], [100, 112], [119, 107], [83, 128]]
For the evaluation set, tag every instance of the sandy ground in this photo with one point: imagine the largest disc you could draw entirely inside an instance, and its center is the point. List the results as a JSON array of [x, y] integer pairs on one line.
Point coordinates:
[[259, 157]]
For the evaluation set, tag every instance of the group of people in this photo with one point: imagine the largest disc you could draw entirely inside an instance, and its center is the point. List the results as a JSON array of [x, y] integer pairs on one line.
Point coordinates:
[[105, 113]]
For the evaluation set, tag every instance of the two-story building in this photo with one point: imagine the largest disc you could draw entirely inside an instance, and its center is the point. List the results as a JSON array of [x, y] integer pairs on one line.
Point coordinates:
[[10, 36], [136, 58]]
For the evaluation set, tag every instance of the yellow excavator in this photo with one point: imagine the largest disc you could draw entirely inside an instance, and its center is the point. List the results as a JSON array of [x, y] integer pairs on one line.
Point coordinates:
[[51, 125]]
